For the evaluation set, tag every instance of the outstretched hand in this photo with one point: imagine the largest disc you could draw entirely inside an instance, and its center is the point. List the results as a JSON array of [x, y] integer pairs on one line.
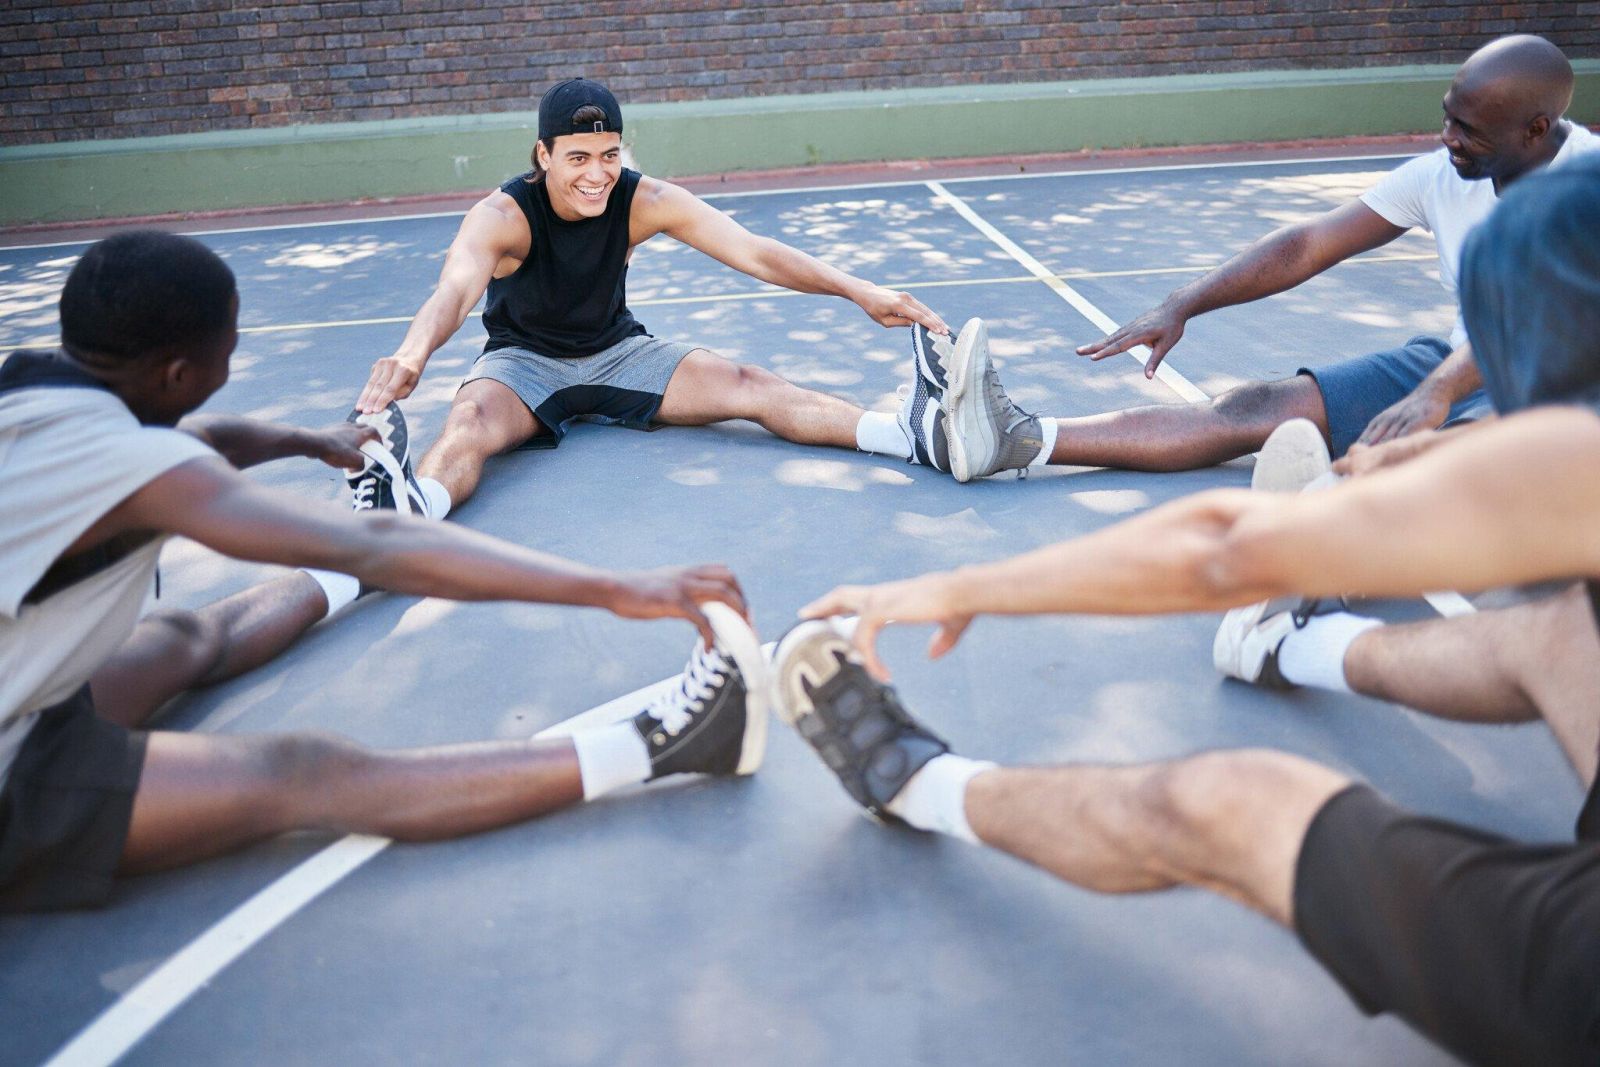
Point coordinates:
[[923, 599], [888, 307], [1160, 328], [340, 445], [391, 379], [677, 593]]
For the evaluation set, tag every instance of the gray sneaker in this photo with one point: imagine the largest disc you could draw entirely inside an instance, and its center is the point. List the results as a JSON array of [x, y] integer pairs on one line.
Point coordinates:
[[985, 432]]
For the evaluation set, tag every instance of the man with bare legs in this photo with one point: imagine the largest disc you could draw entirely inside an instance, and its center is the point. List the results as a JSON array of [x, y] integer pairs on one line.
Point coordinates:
[[93, 479], [1489, 946]]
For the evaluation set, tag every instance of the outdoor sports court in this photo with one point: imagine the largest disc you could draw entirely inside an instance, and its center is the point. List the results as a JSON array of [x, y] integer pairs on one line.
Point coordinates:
[[765, 920]]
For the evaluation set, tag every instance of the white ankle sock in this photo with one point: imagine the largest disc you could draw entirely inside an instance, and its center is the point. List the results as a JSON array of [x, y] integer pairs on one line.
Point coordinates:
[[1048, 427], [340, 589], [1314, 654], [610, 758], [880, 432], [936, 796], [435, 496]]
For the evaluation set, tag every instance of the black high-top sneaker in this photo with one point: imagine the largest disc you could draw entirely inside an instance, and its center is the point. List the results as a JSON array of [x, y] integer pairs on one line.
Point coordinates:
[[714, 721], [856, 724], [388, 463]]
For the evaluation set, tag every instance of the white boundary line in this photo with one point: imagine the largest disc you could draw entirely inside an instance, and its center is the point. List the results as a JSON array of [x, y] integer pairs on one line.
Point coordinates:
[[1166, 372], [365, 220], [161, 992], [1448, 604]]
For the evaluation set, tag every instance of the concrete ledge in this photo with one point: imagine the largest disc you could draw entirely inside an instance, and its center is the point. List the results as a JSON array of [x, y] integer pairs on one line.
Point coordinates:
[[349, 161]]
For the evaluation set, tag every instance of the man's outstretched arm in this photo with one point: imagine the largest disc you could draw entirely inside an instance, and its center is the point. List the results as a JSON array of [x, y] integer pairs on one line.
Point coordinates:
[[661, 207], [1518, 501], [210, 502], [245, 442], [1281, 260], [488, 234]]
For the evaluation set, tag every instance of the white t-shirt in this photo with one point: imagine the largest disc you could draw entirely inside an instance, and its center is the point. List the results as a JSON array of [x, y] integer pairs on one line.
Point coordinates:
[[1427, 193], [68, 455]]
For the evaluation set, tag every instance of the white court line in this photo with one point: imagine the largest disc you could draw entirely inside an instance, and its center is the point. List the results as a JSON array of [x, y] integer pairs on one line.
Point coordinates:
[[1166, 372], [1446, 603], [780, 192], [160, 993]]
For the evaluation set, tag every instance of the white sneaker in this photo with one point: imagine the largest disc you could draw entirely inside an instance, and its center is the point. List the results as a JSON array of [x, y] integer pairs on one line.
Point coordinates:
[[1294, 456]]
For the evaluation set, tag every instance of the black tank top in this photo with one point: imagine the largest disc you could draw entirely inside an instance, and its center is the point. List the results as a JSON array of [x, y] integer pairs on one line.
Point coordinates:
[[567, 299]]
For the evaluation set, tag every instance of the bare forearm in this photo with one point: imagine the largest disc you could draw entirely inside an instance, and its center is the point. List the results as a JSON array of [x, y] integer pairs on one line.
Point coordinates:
[[452, 562], [1454, 378], [779, 264], [247, 442], [435, 323], [1163, 561], [1279, 261]]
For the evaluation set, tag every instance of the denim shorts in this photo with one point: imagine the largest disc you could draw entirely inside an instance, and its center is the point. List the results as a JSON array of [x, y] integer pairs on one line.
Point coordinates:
[[1356, 391]]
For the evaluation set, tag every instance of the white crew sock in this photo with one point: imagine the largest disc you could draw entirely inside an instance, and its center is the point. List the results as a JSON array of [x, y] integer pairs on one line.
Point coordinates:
[[340, 589], [936, 796], [435, 497], [1314, 654], [880, 432], [610, 758], [1048, 428]]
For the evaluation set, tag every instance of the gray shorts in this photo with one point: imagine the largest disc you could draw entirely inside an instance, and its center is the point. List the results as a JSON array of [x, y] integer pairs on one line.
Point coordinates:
[[622, 384]]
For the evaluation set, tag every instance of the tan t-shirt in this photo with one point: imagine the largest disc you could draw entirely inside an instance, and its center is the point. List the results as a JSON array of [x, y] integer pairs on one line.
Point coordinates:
[[69, 452]]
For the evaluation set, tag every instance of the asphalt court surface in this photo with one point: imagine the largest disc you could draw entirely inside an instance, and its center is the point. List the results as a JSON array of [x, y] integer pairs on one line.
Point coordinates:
[[765, 920]]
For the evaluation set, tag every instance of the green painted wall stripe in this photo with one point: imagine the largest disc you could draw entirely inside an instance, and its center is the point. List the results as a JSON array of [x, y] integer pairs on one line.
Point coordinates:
[[401, 157]]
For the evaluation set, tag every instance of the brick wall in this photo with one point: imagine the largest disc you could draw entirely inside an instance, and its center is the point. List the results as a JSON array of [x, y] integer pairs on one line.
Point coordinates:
[[129, 68]]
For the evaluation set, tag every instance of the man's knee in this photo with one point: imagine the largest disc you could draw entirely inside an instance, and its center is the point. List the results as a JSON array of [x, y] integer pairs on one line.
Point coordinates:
[[306, 762], [757, 384], [198, 641], [1264, 405], [1216, 797]]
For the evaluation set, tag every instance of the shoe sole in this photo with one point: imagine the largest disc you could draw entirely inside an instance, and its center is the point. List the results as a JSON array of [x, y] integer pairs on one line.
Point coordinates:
[[738, 640], [1293, 456], [923, 363], [792, 707], [966, 383]]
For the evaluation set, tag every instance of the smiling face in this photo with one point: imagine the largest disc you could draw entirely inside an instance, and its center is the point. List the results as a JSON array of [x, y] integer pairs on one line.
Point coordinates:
[[581, 172]]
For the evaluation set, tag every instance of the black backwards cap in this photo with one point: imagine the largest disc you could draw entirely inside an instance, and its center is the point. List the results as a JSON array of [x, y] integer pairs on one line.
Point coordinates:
[[1530, 290], [562, 100]]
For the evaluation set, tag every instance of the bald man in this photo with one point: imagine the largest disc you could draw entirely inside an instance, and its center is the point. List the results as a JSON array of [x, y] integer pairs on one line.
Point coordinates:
[[1502, 120]]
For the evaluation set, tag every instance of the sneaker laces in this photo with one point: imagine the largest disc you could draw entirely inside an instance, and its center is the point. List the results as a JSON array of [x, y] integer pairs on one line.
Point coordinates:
[[707, 669], [365, 490], [995, 396]]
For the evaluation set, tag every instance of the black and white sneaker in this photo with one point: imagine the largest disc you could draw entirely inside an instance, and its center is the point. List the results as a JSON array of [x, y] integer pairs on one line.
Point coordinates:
[[1247, 643], [388, 464], [931, 353], [855, 723], [715, 720], [922, 420]]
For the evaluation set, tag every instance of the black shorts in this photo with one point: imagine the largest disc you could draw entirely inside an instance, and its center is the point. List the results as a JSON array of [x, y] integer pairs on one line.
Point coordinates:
[[65, 807], [1488, 946]]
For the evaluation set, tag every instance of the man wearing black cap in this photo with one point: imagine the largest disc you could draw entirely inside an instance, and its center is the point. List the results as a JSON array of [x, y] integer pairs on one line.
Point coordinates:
[[551, 248]]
